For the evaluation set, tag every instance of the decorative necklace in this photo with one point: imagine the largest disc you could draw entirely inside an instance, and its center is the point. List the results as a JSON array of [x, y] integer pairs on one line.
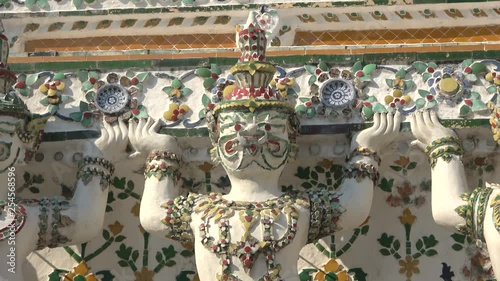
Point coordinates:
[[248, 248]]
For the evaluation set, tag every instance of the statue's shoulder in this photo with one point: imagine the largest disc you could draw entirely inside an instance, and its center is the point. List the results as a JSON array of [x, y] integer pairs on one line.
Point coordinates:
[[325, 211], [178, 216]]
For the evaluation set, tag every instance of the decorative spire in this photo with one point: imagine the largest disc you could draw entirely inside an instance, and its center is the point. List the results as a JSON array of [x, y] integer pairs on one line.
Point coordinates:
[[252, 74], [258, 30]]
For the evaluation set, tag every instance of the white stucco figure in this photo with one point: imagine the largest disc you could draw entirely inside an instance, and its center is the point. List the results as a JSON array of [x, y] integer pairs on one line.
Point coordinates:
[[256, 231], [30, 225], [475, 213]]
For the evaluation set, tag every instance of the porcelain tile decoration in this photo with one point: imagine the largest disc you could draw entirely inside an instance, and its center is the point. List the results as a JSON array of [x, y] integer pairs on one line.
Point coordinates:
[[249, 140]]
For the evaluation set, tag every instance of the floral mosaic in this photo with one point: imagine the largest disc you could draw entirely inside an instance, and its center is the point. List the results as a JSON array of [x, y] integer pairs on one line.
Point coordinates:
[[31, 182], [405, 194], [409, 263], [128, 256], [125, 240], [333, 92], [131, 247], [479, 166]]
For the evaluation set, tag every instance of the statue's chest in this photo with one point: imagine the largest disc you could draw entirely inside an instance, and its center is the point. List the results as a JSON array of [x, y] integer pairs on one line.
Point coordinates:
[[247, 230]]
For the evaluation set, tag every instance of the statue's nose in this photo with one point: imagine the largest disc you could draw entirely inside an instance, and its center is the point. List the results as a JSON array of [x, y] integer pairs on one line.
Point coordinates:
[[251, 128]]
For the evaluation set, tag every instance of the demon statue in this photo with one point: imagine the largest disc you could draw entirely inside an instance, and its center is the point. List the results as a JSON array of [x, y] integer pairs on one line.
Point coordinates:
[[30, 225], [256, 231]]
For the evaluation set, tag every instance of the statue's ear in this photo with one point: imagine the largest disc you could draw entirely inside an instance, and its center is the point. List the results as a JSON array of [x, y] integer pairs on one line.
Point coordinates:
[[32, 133]]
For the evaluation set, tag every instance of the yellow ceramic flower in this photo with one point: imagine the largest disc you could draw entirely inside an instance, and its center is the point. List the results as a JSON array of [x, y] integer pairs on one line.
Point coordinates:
[[403, 161], [81, 270], [407, 217], [490, 76], [325, 163], [283, 84], [332, 266], [175, 93], [176, 112], [135, 210], [116, 228], [409, 266], [206, 167], [144, 275]]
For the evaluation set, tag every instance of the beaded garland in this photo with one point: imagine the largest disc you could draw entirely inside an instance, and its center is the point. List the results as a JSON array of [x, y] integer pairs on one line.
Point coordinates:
[[495, 204], [360, 171], [162, 168], [18, 218], [446, 153], [96, 161], [466, 211], [163, 155], [86, 174], [474, 212], [325, 212], [365, 152], [178, 217], [449, 140]]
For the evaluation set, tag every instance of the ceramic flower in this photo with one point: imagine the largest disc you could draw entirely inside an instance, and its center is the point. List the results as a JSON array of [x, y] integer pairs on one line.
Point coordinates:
[[53, 90], [177, 90], [331, 269], [409, 266], [176, 112], [80, 272], [407, 217], [144, 275], [283, 85]]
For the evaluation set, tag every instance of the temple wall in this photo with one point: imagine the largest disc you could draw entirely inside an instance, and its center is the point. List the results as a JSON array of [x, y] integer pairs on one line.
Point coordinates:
[[399, 241], [378, 248]]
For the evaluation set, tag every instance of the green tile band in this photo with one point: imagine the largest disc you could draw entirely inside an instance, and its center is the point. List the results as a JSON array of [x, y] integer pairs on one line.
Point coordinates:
[[305, 130]]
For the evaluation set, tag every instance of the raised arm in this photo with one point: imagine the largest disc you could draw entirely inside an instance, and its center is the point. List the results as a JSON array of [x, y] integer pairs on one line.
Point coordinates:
[[356, 191], [162, 166], [81, 218], [448, 175]]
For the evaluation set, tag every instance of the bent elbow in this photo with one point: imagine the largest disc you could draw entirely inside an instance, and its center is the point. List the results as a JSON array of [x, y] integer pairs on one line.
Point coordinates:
[[151, 222], [447, 219]]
